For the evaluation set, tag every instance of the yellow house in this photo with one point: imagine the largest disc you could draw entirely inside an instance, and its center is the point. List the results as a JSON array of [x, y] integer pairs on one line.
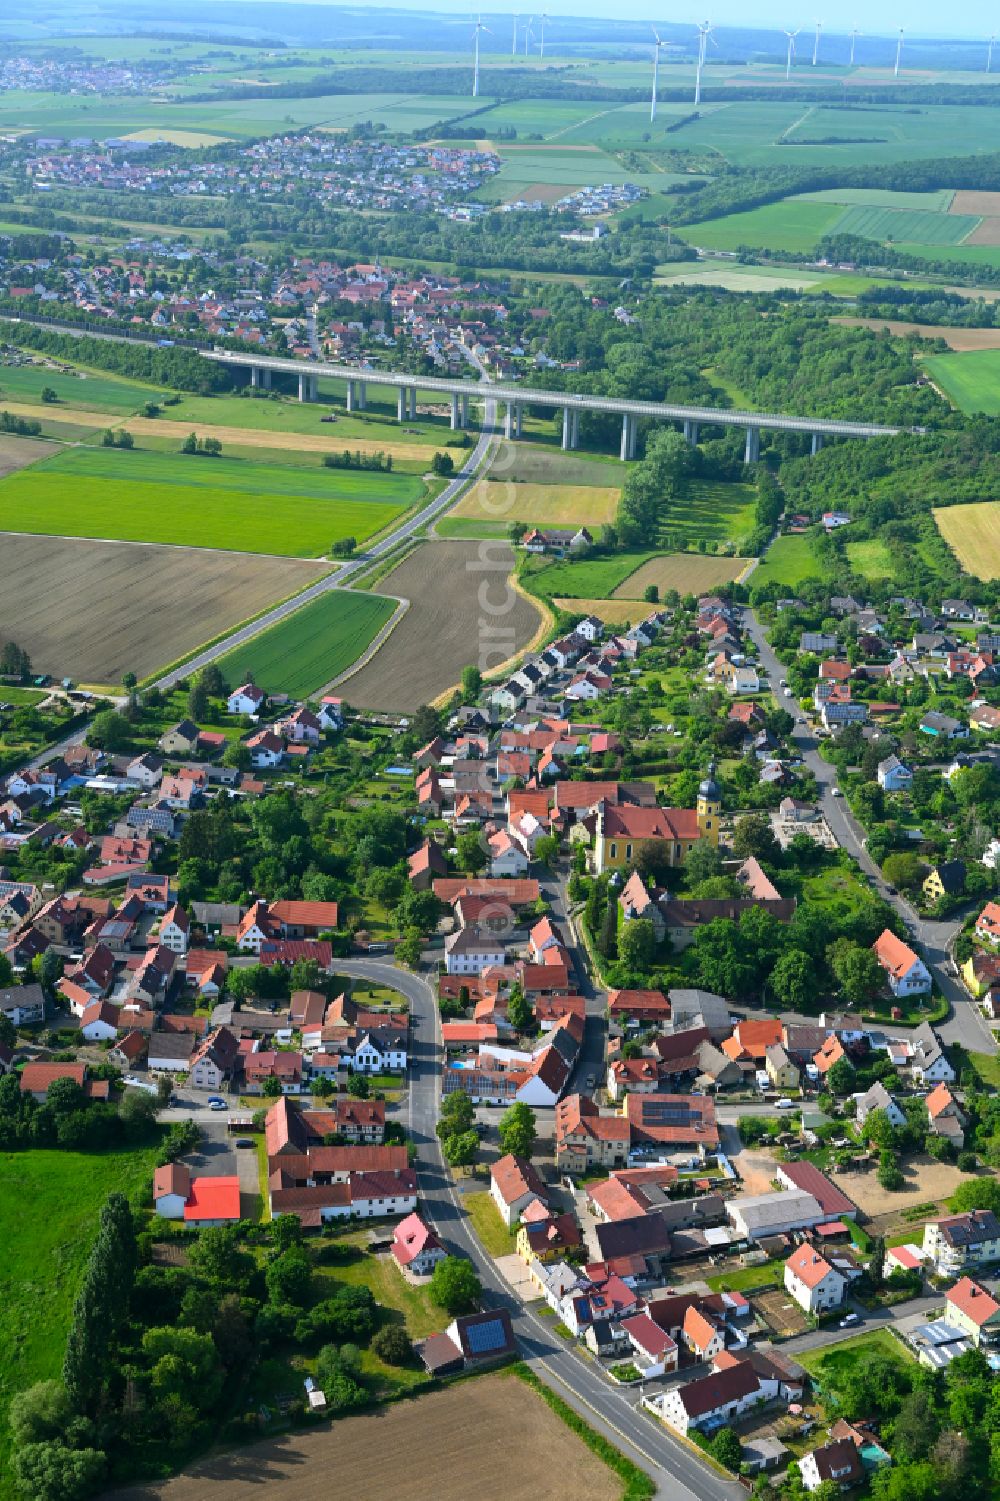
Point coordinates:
[[622, 828], [980, 971], [781, 1071], [549, 1238], [947, 879]]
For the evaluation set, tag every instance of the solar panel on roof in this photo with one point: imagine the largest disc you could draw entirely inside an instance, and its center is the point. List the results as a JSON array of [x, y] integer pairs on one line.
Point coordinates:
[[482, 1338]]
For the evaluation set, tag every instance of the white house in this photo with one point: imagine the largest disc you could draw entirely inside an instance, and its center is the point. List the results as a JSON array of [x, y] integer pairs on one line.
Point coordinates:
[[893, 776], [878, 1098], [838, 1462], [815, 1285], [514, 1186], [590, 628], [99, 1022], [928, 1061], [381, 1050], [712, 1400], [962, 1242], [905, 971], [246, 699], [266, 750], [331, 713], [146, 771], [23, 1004], [468, 952], [174, 930], [506, 857], [743, 680], [415, 1247], [171, 1187]]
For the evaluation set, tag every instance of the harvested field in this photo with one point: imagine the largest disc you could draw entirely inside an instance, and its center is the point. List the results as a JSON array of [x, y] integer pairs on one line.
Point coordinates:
[[959, 339], [742, 281], [445, 1446], [156, 603], [973, 534], [968, 201], [453, 598], [327, 441], [18, 453], [686, 572], [986, 232], [538, 464], [543, 192], [611, 611], [540, 505], [192, 138], [927, 1182]]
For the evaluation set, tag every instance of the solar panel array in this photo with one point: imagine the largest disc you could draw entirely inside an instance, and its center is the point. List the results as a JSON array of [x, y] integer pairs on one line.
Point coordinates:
[[482, 1338]]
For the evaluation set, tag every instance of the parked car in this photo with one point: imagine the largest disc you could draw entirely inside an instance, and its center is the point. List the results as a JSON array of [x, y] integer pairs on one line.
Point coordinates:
[[245, 1141], [785, 1105], [849, 1320], [217, 1104]]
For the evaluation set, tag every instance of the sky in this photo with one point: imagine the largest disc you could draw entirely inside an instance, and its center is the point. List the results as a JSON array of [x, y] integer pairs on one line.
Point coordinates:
[[973, 18]]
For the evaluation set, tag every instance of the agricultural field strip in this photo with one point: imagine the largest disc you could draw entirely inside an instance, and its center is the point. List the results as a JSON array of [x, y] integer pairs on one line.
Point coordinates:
[[307, 650], [973, 534], [157, 603]]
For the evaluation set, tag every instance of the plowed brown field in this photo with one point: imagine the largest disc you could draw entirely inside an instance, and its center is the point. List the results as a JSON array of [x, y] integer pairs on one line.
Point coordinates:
[[492, 1439], [458, 595], [95, 610]]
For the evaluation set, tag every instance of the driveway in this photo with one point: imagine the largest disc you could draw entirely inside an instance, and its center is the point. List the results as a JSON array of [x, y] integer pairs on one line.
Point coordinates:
[[966, 1024]]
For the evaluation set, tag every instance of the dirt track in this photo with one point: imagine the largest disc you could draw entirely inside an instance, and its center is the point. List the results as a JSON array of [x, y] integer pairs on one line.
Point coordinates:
[[491, 1439], [95, 610]]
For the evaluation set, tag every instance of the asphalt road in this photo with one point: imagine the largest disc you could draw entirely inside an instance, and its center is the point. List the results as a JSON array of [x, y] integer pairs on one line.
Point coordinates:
[[679, 1473], [966, 1024]]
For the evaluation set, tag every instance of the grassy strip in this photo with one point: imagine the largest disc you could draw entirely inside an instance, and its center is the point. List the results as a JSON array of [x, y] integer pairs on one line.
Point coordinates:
[[637, 1485]]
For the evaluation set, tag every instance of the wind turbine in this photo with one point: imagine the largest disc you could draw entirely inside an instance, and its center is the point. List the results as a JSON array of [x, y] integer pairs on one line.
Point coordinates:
[[541, 44], [899, 53], [528, 34], [656, 73], [819, 28], [989, 54], [513, 45], [791, 35], [475, 76], [854, 36], [704, 36]]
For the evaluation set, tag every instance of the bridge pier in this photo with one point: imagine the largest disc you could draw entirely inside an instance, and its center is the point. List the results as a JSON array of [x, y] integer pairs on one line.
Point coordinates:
[[309, 387], [352, 395], [413, 403], [567, 428], [401, 404], [508, 421], [751, 453], [255, 374], [465, 410], [691, 432], [456, 414], [817, 442], [518, 412], [574, 428], [628, 437], [362, 395]]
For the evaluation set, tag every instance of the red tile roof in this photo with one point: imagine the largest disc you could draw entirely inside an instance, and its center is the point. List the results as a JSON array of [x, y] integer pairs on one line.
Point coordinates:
[[213, 1199]]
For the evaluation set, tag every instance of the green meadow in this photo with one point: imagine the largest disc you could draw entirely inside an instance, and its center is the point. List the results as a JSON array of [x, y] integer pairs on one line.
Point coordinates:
[[49, 1203], [790, 225], [89, 391], [305, 652], [202, 502], [789, 560], [970, 380]]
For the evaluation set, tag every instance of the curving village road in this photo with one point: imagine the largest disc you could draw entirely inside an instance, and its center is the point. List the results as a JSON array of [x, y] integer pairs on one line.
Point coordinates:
[[966, 1024], [679, 1472]]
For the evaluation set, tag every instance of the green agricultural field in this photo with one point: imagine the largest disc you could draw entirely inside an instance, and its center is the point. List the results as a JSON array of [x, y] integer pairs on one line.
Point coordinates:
[[897, 225], [789, 560], [711, 512], [90, 391], [464, 527], [532, 464], [49, 1201], [790, 225], [276, 415], [872, 559], [307, 650], [970, 380], [936, 201], [199, 502], [960, 255], [590, 578]]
